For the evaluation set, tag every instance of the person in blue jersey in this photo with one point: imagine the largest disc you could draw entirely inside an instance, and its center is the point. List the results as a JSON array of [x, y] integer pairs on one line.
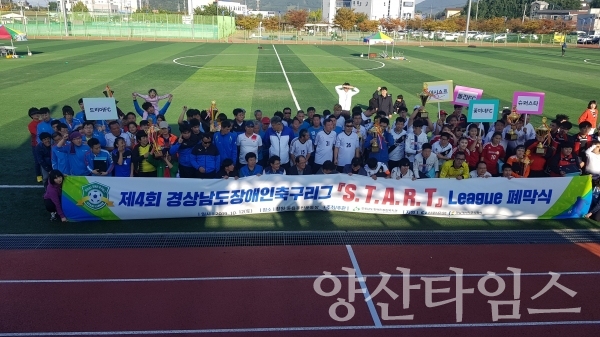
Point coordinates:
[[46, 123], [121, 157], [98, 161], [60, 160], [69, 120], [274, 166], [183, 150], [76, 150], [252, 168], [226, 141]]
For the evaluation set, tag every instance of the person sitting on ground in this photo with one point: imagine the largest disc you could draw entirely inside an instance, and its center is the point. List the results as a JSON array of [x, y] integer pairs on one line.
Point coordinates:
[[403, 171], [251, 168], [481, 171], [455, 168], [53, 196], [274, 166], [355, 167], [301, 168], [565, 163], [328, 167], [228, 170], [376, 169]]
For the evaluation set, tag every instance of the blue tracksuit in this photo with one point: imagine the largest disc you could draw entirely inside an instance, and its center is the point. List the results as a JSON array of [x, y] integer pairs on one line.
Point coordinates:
[[382, 155], [44, 127], [183, 151], [60, 160], [103, 156], [76, 158], [206, 157], [227, 145]]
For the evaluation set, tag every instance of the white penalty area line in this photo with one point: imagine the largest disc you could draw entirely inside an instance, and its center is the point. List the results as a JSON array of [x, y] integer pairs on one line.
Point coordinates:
[[286, 79], [282, 277], [21, 186], [308, 328]]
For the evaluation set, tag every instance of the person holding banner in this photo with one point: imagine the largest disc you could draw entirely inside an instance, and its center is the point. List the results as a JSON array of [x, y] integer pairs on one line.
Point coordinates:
[[426, 165], [403, 171], [480, 172], [565, 163]]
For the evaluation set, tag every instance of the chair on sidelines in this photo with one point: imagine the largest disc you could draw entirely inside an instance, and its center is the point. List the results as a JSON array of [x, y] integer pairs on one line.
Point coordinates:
[[383, 55]]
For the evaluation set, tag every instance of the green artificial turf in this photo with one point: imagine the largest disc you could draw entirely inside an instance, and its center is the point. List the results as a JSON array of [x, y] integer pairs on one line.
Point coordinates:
[[241, 75]]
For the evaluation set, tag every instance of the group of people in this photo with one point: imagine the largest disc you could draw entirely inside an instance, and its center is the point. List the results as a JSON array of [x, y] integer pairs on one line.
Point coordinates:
[[382, 141]]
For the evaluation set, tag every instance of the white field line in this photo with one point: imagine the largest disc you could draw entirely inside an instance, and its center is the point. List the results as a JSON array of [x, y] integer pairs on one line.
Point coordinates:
[[286, 79]]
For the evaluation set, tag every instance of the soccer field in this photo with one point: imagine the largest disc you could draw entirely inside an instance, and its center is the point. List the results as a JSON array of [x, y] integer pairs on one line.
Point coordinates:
[[271, 78]]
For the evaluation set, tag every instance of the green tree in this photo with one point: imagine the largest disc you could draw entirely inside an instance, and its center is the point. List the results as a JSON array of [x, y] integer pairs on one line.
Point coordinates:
[[595, 4], [53, 6], [212, 10], [79, 7], [369, 26], [296, 18], [345, 18], [315, 16]]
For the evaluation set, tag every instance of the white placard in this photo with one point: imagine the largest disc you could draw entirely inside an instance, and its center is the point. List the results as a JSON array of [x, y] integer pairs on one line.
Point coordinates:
[[103, 108], [528, 104]]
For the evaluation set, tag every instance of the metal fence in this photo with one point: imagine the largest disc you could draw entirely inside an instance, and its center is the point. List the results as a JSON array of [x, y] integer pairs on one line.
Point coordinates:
[[130, 26]]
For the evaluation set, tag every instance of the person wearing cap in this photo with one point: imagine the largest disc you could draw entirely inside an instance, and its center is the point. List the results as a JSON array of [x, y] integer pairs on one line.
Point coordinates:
[[45, 123], [34, 114], [76, 151], [238, 122], [115, 131], [43, 154], [403, 171], [345, 93], [97, 161], [140, 155], [182, 149], [565, 163], [248, 142], [72, 123], [165, 138], [384, 100]]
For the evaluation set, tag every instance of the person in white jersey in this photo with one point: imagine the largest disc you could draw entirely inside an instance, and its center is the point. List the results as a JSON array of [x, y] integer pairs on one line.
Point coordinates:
[[324, 142], [345, 93], [347, 146]]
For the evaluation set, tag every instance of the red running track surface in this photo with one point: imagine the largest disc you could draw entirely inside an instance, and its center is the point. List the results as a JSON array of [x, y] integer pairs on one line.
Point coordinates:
[[261, 291]]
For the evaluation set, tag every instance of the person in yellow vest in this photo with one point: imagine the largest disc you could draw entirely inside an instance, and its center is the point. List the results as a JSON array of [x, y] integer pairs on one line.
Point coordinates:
[[140, 155], [457, 168]]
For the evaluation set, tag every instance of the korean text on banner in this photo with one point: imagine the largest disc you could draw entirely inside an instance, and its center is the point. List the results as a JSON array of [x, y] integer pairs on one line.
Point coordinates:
[[106, 198], [103, 108], [531, 103], [441, 91], [463, 95], [485, 110]]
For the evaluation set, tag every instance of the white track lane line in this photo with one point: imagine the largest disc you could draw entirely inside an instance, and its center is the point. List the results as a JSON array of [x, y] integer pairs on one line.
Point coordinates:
[[363, 286]]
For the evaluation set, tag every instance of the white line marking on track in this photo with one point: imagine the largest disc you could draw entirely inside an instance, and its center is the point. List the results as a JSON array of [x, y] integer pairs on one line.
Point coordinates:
[[290, 329], [275, 277], [363, 286], [21, 186], [287, 80]]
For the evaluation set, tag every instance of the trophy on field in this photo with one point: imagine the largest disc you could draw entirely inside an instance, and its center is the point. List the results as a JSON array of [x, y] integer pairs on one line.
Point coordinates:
[[377, 132], [424, 96], [512, 120], [542, 131], [214, 127]]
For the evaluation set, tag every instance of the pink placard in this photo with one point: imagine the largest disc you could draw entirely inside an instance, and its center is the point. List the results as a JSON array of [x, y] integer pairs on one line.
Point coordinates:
[[464, 95], [531, 103]]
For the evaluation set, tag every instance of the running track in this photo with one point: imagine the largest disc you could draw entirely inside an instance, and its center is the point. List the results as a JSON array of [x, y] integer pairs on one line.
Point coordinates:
[[268, 291]]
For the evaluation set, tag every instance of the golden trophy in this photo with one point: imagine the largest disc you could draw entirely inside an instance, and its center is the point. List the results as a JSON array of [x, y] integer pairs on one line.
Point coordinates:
[[377, 133], [424, 96], [512, 121], [212, 113], [153, 138], [526, 160], [542, 131]]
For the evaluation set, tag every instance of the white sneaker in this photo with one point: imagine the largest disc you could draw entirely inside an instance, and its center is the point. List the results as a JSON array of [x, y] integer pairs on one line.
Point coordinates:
[[53, 216]]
